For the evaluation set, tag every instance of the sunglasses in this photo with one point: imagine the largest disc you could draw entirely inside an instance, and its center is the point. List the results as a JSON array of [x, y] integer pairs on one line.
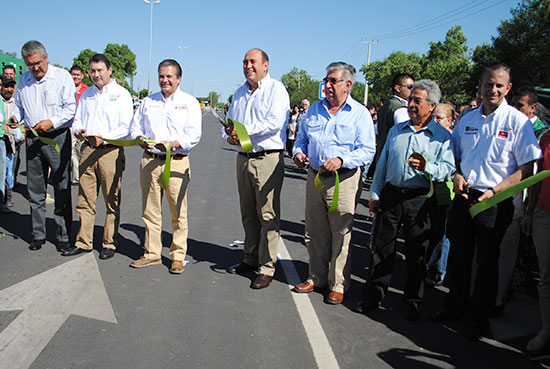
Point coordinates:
[[332, 81]]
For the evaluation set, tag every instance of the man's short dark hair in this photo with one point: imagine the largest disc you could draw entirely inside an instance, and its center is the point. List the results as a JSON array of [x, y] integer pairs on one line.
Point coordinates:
[[98, 58], [77, 68], [8, 66], [171, 63], [399, 78], [529, 92], [265, 58], [494, 67]]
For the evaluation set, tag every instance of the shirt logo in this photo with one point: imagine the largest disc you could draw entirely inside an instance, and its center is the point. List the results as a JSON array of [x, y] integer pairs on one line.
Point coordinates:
[[113, 97], [503, 134], [183, 107], [470, 130]]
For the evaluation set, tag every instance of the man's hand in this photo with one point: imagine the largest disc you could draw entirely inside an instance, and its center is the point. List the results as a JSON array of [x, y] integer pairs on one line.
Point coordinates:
[[460, 185], [417, 161], [43, 125], [487, 194], [94, 141], [301, 160], [144, 145], [80, 133], [233, 138], [332, 164], [374, 206]]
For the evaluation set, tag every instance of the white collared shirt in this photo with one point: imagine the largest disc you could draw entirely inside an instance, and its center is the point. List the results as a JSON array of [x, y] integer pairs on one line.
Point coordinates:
[[53, 98], [492, 147], [402, 114], [177, 118], [105, 113], [263, 112]]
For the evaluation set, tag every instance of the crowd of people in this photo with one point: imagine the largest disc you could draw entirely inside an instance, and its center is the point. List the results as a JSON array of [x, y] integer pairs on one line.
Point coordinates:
[[431, 161]]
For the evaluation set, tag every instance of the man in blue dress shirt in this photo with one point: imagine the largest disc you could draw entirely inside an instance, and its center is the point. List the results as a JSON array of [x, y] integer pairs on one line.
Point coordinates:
[[337, 134], [416, 153]]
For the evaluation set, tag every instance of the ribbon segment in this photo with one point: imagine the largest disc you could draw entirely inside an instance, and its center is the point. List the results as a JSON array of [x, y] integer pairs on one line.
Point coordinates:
[[321, 186], [509, 192]]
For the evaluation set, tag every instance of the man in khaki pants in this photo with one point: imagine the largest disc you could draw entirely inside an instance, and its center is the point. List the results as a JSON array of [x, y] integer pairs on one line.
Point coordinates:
[[171, 117], [337, 135], [105, 111]]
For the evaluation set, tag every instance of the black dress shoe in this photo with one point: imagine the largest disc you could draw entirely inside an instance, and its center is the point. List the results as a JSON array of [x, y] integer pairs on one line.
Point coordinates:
[[240, 268], [36, 245], [410, 310], [474, 329], [261, 281], [63, 245], [106, 253], [73, 250]]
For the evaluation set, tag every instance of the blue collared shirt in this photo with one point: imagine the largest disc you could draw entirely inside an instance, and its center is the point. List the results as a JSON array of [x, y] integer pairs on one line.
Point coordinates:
[[348, 135], [432, 141]]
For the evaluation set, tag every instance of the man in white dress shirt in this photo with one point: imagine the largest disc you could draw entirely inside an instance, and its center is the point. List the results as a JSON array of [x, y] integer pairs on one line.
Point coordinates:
[[46, 101], [105, 111], [174, 118], [262, 105]]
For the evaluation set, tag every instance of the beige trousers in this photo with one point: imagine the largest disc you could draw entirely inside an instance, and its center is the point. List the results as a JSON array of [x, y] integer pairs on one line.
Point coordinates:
[[176, 194], [259, 181], [101, 167], [328, 235]]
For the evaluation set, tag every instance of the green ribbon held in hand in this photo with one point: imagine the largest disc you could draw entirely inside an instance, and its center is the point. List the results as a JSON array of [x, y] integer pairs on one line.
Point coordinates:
[[242, 133], [509, 192], [321, 186], [165, 176], [46, 140]]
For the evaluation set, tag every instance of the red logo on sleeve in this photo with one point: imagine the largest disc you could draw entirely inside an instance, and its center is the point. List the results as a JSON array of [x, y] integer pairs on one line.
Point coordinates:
[[503, 134]]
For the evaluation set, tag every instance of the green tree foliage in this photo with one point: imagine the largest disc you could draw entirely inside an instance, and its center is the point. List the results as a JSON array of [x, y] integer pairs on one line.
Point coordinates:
[[123, 61], [143, 93], [358, 91], [380, 73], [448, 64], [300, 86], [522, 43], [213, 97]]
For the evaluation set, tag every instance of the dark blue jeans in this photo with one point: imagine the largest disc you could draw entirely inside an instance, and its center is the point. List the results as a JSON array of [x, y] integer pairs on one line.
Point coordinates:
[[484, 232], [438, 251]]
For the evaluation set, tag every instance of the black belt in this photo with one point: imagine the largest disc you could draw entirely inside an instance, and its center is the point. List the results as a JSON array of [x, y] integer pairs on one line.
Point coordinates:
[[408, 192], [163, 156], [106, 146], [340, 171], [253, 155]]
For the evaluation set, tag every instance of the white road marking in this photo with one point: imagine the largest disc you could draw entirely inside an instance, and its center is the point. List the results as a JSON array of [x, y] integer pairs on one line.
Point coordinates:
[[47, 300], [324, 356]]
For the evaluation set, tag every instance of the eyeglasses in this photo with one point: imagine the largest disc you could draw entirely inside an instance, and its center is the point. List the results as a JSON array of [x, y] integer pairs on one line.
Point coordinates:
[[332, 81], [408, 86]]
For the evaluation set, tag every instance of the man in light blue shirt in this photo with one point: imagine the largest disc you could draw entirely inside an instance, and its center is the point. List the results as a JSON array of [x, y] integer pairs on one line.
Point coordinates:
[[416, 153], [337, 134]]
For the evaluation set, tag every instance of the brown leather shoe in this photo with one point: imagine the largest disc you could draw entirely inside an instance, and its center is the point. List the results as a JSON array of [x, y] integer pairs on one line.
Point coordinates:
[[177, 267], [144, 262], [305, 287], [261, 281], [240, 268], [334, 298]]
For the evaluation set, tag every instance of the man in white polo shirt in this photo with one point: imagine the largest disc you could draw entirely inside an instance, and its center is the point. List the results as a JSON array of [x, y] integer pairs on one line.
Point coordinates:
[[174, 118], [105, 111], [495, 148]]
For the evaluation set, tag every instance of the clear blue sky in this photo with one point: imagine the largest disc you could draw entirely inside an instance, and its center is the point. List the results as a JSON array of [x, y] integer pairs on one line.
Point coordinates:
[[303, 34]]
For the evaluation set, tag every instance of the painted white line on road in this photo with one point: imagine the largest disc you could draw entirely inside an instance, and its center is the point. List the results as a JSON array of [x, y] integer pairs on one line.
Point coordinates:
[[47, 300], [324, 356]]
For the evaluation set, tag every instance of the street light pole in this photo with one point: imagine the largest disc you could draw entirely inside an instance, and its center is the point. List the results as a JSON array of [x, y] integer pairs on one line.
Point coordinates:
[[182, 48], [370, 42], [150, 43]]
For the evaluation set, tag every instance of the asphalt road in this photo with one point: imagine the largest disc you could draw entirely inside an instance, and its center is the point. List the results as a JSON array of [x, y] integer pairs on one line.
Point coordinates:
[[206, 318]]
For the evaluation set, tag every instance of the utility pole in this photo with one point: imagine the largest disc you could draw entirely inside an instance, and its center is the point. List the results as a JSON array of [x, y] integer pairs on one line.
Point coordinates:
[[370, 42]]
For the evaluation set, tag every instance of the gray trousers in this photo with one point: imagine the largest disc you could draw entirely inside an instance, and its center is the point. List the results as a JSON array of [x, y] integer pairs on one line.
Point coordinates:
[[41, 158]]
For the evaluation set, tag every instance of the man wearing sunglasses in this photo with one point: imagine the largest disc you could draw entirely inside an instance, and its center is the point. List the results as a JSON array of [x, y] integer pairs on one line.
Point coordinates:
[[336, 137]]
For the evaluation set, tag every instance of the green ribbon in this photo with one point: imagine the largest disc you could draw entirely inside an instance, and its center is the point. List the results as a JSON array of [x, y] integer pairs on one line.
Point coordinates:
[[321, 186], [46, 140], [165, 176], [419, 155], [2, 235], [509, 192], [242, 133]]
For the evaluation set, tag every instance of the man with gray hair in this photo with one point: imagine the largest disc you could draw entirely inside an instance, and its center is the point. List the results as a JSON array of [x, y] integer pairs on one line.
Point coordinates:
[[335, 140], [417, 152], [46, 101]]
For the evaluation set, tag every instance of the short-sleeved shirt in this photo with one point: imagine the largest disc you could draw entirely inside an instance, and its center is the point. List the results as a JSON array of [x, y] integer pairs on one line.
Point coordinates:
[[492, 147]]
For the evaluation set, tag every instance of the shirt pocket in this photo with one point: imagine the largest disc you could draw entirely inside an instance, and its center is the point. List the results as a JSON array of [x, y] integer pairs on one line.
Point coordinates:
[[50, 98], [499, 150], [344, 133]]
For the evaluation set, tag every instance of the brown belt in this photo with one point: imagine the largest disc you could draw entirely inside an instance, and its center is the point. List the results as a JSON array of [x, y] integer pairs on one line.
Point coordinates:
[[253, 155], [163, 156]]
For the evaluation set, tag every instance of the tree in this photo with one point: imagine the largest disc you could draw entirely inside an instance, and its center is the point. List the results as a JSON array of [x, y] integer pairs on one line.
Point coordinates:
[[300, 86], [448, 64], [143, 93], [358, 91], [522, 43], [12, 55], [213, 98], [380, 73], [123, 61]]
